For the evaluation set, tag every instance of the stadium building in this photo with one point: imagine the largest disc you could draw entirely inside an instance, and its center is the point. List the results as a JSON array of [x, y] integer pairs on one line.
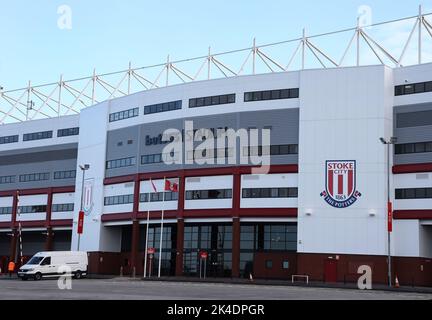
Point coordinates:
[[321, 210]]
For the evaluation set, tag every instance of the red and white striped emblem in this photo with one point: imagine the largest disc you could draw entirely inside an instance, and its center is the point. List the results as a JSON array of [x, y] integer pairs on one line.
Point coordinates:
[[341, 179], [341, 184]]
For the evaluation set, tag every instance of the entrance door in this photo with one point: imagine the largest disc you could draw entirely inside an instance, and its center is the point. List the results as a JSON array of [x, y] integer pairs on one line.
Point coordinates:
[[216, 264], [330, 271]]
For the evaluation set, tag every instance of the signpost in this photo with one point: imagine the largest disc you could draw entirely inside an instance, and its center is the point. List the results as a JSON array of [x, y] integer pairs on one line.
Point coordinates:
[[203, 261], [151, 252]]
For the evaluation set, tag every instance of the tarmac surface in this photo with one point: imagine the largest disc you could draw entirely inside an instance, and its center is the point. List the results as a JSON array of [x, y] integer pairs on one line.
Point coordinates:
[[136, 289]]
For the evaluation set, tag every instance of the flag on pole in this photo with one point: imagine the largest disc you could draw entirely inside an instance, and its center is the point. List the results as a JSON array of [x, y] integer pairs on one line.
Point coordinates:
[[153, 186], [171, 185]]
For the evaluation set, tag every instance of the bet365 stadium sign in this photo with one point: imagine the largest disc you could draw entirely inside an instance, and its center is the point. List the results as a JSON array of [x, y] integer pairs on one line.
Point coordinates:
[[340, 191]]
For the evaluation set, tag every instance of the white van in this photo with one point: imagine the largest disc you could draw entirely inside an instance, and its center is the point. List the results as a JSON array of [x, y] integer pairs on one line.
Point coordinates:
[[53, 264]]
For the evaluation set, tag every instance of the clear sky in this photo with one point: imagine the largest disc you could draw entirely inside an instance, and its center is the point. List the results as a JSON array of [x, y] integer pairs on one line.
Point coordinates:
[[107, 34]]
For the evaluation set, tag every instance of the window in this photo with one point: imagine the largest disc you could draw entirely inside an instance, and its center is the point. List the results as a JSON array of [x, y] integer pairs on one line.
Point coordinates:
[[7, 179], [158, 197], [269, 193], [285, 265], [37, 136], [121, 163], [212, 101], [9, 139], [118, 200], [5, 210], [68, 132], [415, 88], [65, 207], [163, 107], [60, 175], [209, 194], [122, 115], [34, 177], [158, 158], [271, 95], [33, 209], [46, 261], [275, 150], [414, 193], [407, 148]]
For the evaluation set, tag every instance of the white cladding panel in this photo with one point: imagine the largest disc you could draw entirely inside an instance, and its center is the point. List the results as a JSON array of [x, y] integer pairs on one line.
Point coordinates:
[[409, 75], [286, 180], [37, 126], [343, 114], [63, 198], [34, 200], [146, 187], [209, 183], [406, 238], [184, 92], [92, 151], [6, 201], [410, 181]]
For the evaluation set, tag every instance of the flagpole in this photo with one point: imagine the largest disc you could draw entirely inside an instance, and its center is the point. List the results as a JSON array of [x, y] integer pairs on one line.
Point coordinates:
[[19, 229], [147, 232], [162, 224]]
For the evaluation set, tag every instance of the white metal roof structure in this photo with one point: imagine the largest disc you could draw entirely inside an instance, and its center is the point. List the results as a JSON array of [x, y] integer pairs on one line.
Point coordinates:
[[65, 97]]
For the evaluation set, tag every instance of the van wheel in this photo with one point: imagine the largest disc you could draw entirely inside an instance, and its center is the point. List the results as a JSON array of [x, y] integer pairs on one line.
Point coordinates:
[[78, 275], [38, 276]]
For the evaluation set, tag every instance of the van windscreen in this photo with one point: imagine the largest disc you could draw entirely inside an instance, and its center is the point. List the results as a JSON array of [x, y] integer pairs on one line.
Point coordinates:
[[35, 260]]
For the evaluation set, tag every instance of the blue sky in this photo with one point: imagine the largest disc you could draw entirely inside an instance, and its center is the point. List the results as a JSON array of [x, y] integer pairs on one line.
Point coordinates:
[[106, 35]]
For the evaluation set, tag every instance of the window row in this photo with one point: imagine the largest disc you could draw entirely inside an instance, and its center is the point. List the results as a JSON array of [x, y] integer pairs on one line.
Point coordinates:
[[271, 95], [158, 158], [121, 163], [122, 115], [37, 136], [275, 150], [7, 179], [414, 193], [32, 209], [60, 175], [163, 107], [5, 210], [34, 177], [117, 200], [209, 194], [9, 139], [420, 87], [63, 207], [158, 196], [270, 193], [420, 147], [210, 154], [68, 132], [212, 100]]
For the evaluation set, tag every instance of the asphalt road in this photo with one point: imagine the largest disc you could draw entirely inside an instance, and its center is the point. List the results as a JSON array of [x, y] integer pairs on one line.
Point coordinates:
[[87, 289]]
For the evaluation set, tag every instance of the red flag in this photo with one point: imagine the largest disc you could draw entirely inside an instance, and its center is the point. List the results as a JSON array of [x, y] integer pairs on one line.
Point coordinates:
[[390, 217], [171, 186]]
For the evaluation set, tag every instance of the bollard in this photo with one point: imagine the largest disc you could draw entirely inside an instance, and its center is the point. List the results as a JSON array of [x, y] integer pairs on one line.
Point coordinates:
[[133, 272], [121, 271]]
